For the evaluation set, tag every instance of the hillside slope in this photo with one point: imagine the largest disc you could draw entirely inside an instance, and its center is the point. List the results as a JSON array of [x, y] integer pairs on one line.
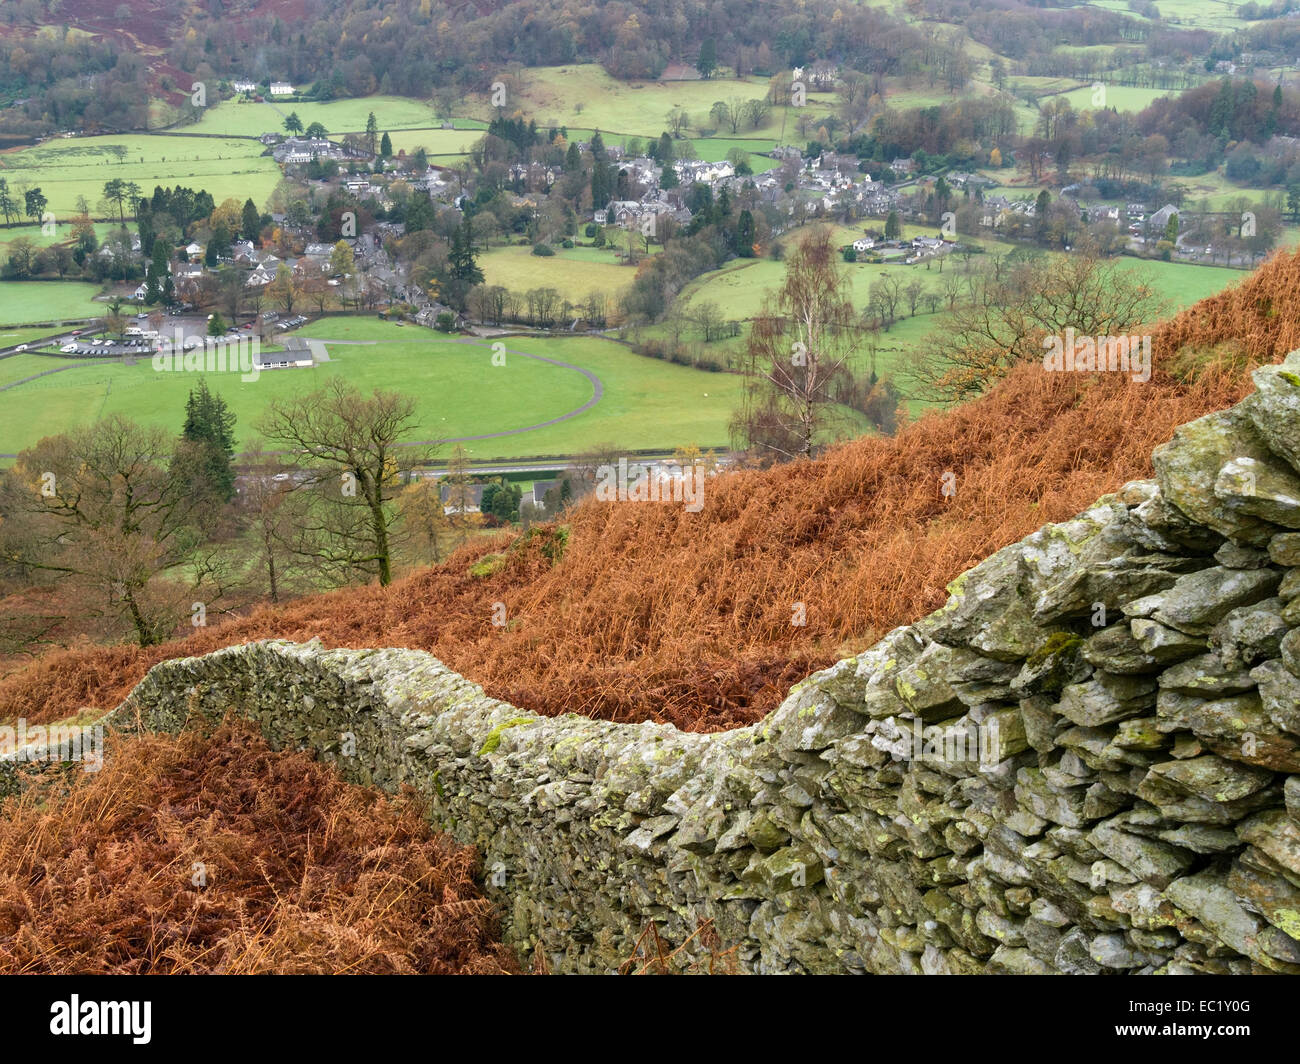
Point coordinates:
[[652, 613]]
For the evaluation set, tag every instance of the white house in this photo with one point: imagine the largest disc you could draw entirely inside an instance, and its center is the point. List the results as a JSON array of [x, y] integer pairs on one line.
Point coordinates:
[[244, 86], [194, 250], [624, 212], [863, 244], [704, 172], [281, 88]]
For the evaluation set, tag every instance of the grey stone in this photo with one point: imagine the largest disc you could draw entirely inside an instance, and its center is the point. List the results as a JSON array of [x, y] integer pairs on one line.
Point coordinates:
[[1163, 643], [1274, 408], [1207, 676], [1148, 859], [1188, 466], [1198, 601], [1214, 778], [1284, 548], [1105, 699], [1116, 649], [1251, 633], [1279, 690], [1208, 897], [1261, 487], [1235, 557]]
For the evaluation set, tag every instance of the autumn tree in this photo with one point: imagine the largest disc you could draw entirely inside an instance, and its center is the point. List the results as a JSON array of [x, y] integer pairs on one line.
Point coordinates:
[[799, 348], [424, 515], [1012, 307], [271, 524], [348, 449], [99, 509], [284, 288], [459, 496]]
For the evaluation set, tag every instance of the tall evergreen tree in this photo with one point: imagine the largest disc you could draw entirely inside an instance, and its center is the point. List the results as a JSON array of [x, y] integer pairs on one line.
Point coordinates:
[[602, 180], [250, 225], [206, 456], [708, 61], [463, 261], [745, 235]]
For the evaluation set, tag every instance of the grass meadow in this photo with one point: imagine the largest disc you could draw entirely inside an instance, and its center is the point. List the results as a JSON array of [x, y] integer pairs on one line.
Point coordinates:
[[65, 169], [28, 301], [457, 390]]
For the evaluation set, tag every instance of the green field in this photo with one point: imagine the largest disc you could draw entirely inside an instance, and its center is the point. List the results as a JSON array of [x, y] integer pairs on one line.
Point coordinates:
[[62, 233], [445, 142], [1193, 14], [740, 287], [16, 367], [1180, 284], [27, 301], [585, 96], [1120, 97], [458, 392], [575, 272], [582, 98], [67, 168], [248, 119], [10, 337]]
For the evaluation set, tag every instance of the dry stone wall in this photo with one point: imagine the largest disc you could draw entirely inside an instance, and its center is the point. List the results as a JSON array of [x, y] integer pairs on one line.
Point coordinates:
[[1087, 762]]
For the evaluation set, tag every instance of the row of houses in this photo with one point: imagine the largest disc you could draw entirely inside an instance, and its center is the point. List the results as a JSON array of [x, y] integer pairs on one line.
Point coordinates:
[[304, 149], [277, 88], [262, 266]]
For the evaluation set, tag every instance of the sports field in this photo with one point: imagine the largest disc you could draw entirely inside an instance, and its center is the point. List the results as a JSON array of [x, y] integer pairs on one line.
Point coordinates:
[[457, 389]]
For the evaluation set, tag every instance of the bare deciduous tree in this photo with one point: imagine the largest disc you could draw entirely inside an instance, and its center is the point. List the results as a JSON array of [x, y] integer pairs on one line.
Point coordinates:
[[799, 346], [348, 450], [99, 508], [1012, 307]]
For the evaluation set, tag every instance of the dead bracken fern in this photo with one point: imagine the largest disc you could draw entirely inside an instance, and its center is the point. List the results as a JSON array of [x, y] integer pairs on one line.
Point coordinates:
[[213, 853], [652, 613], [651, 955]]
